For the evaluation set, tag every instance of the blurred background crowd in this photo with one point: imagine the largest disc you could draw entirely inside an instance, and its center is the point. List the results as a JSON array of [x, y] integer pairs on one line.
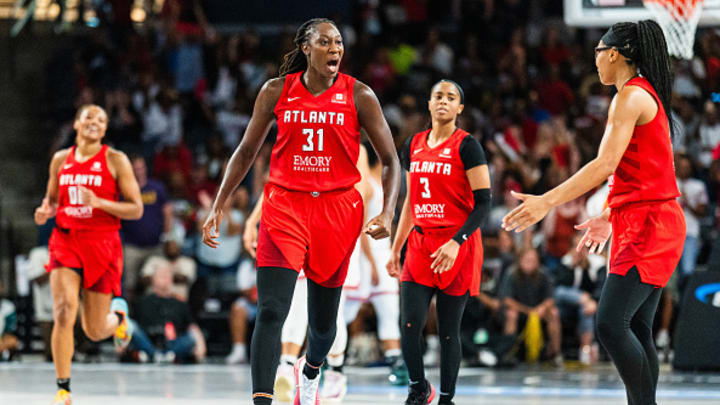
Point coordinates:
[[179, 93]]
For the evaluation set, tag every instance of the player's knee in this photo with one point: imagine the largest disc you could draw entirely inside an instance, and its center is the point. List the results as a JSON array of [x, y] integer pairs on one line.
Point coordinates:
[[270, 313], [64, 312], [93, 332], [511, 315]]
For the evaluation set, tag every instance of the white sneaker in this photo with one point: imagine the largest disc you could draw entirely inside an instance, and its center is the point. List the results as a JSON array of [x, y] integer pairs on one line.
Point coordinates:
[[335, 386], [487, 358], [306, 392], [431, 358], [662, 339], [284, 383], [237, 356], [585, 355]]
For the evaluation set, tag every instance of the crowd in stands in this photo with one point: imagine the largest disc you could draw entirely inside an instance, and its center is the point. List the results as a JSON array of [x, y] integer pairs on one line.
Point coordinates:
[[179, 95]]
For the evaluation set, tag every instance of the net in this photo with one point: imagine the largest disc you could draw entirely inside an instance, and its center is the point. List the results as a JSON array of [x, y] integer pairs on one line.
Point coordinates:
[[679, 20]]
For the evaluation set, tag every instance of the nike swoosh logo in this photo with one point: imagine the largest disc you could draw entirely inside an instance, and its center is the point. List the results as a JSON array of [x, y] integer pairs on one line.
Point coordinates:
[[355, 204], [417, 151], [67, 167], [464, 236], [271, 194], [291, 99]]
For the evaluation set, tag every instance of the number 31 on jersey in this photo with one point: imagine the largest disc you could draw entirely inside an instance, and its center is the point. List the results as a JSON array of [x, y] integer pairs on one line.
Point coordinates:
[[310, 146]]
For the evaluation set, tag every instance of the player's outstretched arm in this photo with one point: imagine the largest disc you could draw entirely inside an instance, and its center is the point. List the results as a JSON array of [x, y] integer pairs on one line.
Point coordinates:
[[373, 122], [260, 122], [625, 110]]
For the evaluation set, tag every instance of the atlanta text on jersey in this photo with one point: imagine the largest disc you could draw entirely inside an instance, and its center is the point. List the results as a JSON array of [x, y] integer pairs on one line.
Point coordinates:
[[80, 180], [430, 167], [314, 117]]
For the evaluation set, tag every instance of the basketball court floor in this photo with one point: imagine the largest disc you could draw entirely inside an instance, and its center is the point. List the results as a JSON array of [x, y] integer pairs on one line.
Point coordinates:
[[32, 383]]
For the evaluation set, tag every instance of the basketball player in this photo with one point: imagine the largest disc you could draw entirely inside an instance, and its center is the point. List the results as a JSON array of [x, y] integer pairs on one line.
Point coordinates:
[[85, 250], [448, 198], [295, 326], [647, 222], [312, 214]]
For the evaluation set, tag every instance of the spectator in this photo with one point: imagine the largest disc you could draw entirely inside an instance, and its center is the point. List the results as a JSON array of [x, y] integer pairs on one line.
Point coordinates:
[[578, 284], [9, 343], [709, 134], [694, 200], [559, 228], [242, 312], [124, 122], [219, 265], [182, 268], [164, 328], [529, 290], [141, 238]]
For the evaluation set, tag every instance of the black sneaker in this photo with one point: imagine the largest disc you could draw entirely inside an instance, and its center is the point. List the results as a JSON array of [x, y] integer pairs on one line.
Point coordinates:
[[421, 398]]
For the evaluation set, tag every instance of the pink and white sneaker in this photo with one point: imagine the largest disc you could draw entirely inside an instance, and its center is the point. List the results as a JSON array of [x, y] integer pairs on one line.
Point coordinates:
[[307, 390], [334, 387]]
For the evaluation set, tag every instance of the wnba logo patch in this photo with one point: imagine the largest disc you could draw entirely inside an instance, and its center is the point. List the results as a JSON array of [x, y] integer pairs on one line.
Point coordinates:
[[96, 167], [338, 98]]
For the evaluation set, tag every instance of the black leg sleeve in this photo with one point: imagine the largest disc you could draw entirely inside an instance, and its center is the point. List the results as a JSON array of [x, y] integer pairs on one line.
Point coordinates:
[[323, 305], [624, 324], [414, 302], [449, 314], [275, 290]]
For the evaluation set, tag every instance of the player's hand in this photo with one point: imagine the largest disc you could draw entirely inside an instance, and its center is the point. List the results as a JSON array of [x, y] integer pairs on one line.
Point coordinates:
[[393, 265], [531, 211], [374, 275], [87, 197], [379, 227], [597, 232], [250, 236], [445, 256], [211, 228], [44, 212]]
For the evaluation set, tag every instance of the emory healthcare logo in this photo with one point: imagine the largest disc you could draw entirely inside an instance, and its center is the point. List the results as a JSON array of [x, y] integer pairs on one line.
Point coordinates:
[[709, 294]]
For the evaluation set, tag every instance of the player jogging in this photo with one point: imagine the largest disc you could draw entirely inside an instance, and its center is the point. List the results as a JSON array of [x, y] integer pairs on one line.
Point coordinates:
[[85, 250], [312, 214]]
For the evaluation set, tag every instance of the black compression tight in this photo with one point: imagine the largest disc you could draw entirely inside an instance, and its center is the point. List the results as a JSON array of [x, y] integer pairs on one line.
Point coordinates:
[[624, 327], [275, 291], [415, 300]]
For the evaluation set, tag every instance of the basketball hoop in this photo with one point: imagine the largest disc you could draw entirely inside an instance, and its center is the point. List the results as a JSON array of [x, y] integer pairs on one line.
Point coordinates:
[[679, 20]]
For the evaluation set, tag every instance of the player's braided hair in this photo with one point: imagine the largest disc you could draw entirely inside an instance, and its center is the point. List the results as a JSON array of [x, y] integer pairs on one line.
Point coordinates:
[[295, 60], [643, 44]]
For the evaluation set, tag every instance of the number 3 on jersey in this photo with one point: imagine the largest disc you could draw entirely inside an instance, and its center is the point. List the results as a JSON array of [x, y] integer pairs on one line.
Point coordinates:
[[424, 181], [310, 146]]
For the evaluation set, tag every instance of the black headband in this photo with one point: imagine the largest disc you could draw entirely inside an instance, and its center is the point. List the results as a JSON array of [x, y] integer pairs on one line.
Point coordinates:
[[623, 46], [457, 86]]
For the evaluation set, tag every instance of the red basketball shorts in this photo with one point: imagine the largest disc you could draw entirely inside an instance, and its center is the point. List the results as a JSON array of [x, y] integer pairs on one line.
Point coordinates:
[[97, 253], [650, 236], [462, 277], [314, 232]]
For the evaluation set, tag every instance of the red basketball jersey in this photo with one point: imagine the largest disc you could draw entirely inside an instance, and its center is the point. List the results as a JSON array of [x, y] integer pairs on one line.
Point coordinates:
[[318, 138], [440, 194], [94, 175], [647, 170]]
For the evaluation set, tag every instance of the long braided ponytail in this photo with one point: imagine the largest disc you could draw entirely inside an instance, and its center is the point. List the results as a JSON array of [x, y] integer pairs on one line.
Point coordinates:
[[295, 60]]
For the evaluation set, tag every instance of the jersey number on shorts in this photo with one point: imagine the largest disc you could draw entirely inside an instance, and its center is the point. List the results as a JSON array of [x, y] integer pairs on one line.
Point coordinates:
[[424, 181], [309, 146]]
